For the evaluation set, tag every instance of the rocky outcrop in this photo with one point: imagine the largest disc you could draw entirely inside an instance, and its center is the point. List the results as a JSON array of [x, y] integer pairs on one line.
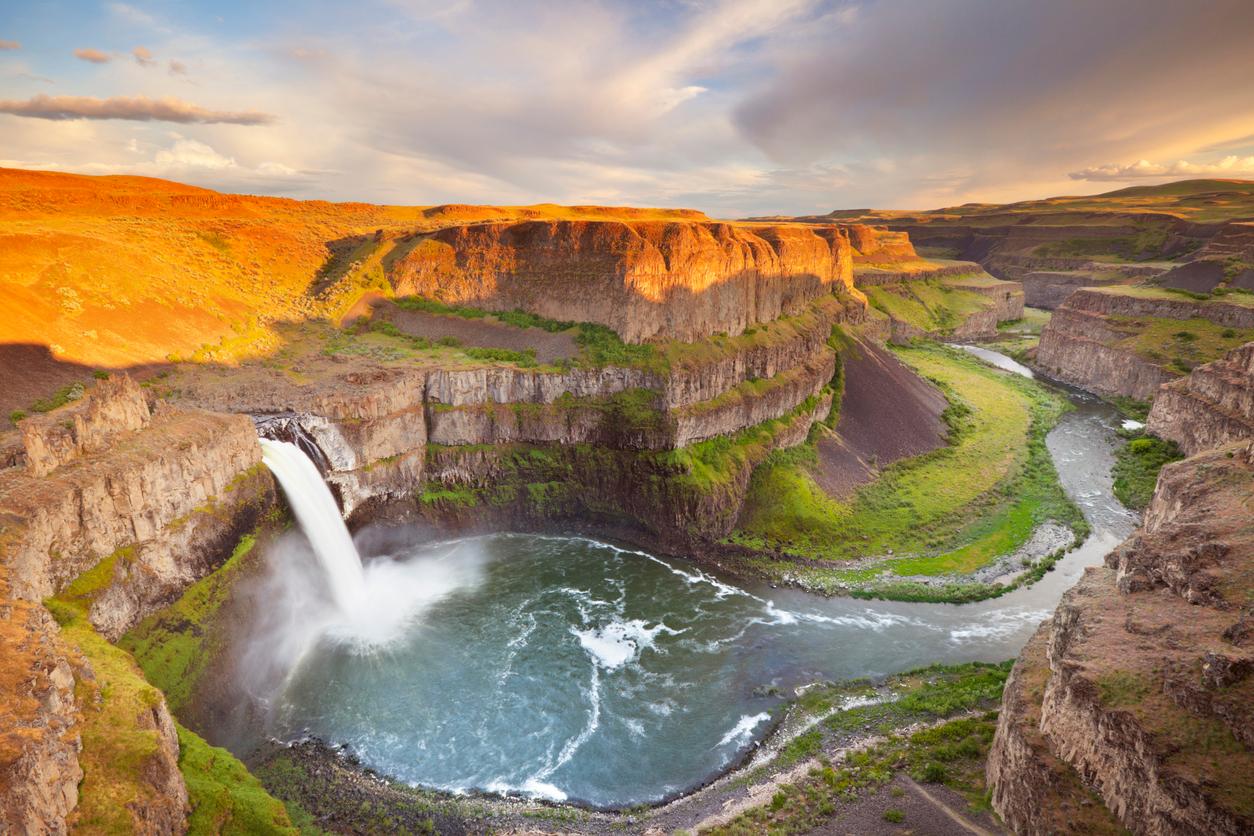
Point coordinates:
[[879, 245], [373, 422], [113, 408], [1145, 689], [682, 280], [1212, 406], [664, 500], [39, 736], [1085, 342], [882, 274], [162, 505], [1074, 348], [1048, 289]]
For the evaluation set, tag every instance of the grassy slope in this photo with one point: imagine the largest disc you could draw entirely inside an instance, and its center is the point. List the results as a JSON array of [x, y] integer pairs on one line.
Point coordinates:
[[223, 796], [931, 305], [169, 645], [1136, 468], [950, 753], [951, 511]]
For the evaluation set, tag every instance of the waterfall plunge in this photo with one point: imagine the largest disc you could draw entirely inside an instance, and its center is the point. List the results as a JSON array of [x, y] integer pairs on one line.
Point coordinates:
[[319, 518], [373, 605]]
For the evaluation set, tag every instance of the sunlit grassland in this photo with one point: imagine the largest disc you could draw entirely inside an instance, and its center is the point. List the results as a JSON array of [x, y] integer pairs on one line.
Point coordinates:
[[931, 305], [950, 511]]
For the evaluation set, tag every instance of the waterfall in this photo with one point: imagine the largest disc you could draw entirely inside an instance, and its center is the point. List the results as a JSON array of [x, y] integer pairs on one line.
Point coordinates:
[[319, 519]]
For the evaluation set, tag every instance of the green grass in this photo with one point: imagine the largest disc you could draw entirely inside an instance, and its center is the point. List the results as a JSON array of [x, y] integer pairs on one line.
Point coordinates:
[[225, 798], [448, 497], [121, 746], [931, 305], [1137, 464], [599, 345], [175, 646], [1177, 344], [947, 512], [950, 753]]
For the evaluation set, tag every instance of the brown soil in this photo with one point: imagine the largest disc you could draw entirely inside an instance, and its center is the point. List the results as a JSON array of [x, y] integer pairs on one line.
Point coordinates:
[[934, 810], [29, 373], [887, 413], [489, 333]]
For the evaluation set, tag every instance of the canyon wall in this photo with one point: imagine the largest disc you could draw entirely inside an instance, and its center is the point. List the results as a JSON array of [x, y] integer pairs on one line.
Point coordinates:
[[1086, 344], [682, 280], [375, 423], [1139, 688], [1213, 405], [117, 509]]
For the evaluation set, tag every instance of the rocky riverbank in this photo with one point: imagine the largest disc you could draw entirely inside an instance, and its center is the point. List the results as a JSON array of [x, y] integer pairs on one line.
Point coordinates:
[[1139, 687]]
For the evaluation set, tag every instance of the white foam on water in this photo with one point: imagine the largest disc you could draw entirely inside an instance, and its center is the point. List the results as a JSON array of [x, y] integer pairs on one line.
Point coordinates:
[[530, 787], [620, 642], [742, 732], [997, 624], [1132, 426], [870, 620]]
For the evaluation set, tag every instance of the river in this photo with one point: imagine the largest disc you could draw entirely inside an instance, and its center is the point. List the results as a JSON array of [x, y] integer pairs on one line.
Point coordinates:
[[578, 670]]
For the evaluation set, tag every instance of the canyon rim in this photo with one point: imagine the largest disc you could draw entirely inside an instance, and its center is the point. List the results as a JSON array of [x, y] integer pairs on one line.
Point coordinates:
[[497, 418]]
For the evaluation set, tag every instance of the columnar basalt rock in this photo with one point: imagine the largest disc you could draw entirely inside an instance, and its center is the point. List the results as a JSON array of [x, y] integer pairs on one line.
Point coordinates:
[[1213, 405], [159, 502], [39, 738], [111, 408], [1144, 688], [645, 279]]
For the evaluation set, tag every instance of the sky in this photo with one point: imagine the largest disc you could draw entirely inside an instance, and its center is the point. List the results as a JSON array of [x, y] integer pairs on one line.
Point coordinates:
[[735, 107]]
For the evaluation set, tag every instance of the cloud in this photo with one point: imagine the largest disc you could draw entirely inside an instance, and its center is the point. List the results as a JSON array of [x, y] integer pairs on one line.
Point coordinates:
[[143, 56], [10, 45], [190, 153], [133, 15], [177, 67], [94, 56], [1016, 92], [1229, 166], [135, 108]]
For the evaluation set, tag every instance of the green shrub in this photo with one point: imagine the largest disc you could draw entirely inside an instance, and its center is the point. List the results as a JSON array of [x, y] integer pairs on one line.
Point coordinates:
[[1136, 468], [894, 815]]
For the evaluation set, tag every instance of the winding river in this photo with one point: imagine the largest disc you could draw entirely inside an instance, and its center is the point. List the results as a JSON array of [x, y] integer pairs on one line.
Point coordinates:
[[572, 669]]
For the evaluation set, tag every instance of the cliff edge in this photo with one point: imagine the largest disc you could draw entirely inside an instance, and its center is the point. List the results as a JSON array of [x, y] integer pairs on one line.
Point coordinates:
[[1139, 689]]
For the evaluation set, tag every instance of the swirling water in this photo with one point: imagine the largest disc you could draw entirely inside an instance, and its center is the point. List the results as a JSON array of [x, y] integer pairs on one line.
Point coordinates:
[[569, 668]]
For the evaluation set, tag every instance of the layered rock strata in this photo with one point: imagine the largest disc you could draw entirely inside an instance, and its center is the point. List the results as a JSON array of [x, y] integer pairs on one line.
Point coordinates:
[[1141, 684], [162, 505], [1213, 405], [1078, 345], [39, 738], [120, 508], [682, 280], [375, 422]]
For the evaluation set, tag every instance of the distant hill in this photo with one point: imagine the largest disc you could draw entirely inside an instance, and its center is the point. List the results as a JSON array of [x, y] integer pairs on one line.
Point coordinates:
[[121, 270], [1206, 201]]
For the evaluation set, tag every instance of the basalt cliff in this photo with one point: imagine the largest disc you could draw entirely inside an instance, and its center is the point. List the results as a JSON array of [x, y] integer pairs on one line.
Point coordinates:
[[670, 279], [1137, 695], [1129, 342]]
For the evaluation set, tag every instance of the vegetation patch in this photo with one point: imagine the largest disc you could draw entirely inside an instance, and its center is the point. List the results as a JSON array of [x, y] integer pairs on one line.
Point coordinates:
[[947, 751], [933, 306], [1179, 345], [1136, 468], [945, 513], [175, 646], [225, 798]]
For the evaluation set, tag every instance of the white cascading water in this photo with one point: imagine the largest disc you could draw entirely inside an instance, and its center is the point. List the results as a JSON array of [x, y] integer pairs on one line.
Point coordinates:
[[319, 518]]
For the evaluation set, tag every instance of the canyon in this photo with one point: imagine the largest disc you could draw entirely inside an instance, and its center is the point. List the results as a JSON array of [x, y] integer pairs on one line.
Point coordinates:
[[650, 376]]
